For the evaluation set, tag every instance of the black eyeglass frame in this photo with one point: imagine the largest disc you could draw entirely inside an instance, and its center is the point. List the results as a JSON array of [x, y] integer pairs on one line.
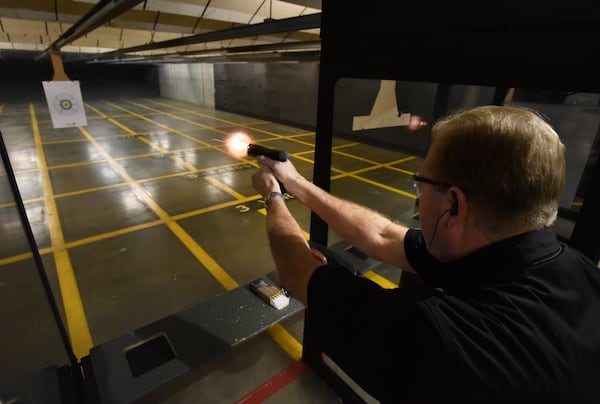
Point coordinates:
[[418, 178]]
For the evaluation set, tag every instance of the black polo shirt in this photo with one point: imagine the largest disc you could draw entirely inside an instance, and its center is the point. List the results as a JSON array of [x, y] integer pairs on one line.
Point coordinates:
[[517, 321]]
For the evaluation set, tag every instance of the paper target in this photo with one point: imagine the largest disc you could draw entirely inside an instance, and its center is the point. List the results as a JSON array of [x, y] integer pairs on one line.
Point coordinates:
[[66, 104]]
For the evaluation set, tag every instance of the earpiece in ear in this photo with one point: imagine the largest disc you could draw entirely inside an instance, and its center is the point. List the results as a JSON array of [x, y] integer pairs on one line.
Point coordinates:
[[454, 208]]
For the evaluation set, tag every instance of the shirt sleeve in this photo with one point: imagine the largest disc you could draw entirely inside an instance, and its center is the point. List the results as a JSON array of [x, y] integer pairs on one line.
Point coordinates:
[[377, 336], [415, 249], [430, 270]]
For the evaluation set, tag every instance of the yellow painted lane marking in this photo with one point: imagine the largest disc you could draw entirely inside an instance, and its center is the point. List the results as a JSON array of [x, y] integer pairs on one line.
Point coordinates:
[[286, 341], [13, 204], [174, 157], [61, 141], [181, 161], [168, 128], [355, 157], [23, 257], [77, 164], [202, 256], [380, 280], [223, 187], [220, 148], [191, 112], [114, 233], [76, 319], [215, 207], [278, 136], [384, 186], [15, 258], [359, 178], [88, 190], [343, 146]]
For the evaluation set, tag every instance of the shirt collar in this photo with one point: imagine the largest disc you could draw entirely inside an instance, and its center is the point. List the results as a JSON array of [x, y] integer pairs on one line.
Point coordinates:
[[498, 262]]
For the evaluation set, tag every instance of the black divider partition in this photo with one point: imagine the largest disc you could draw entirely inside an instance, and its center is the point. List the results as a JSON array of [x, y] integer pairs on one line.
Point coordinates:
[[541, 44]]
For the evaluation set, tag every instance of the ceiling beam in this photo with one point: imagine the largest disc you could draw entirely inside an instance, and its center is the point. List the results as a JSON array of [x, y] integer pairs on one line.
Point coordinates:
[[303, 22], [300, 50], [100, 14]]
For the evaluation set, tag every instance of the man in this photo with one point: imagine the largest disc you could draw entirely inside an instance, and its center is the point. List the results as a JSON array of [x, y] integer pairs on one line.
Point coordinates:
[[506, 313]]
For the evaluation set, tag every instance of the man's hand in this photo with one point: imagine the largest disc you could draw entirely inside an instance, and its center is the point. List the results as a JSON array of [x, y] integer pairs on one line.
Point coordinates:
[[264, 180], [284, 171]]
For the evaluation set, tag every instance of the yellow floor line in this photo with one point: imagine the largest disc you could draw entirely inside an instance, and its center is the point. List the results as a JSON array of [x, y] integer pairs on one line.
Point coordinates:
[[202, 256], [113, 233], [7, 204], [366, 170], [384, 186], [77, 164], [355, 172], [292, 137], [380, 280], [181, 161], [15, 258], [224, 187], [88, 190], [359, 178], [217, 147], [278, 136], [355, 157], [77, 324], [286, 341], [215, 207], [25, 256], [191, 112], [168, 128], [343, 146], [61, 141]]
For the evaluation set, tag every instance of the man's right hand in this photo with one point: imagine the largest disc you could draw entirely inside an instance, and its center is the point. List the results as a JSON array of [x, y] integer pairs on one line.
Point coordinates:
[[285, 172]]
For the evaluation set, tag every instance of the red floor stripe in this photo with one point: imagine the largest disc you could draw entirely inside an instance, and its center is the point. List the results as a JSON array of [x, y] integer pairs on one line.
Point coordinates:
[[274, 384]]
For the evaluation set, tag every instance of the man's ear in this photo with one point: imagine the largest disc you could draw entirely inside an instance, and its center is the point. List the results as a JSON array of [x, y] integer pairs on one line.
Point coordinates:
[[459, 203], [454, 207]]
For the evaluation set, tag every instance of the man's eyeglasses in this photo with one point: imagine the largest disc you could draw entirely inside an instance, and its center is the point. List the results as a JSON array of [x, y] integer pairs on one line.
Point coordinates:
[[417, 179]]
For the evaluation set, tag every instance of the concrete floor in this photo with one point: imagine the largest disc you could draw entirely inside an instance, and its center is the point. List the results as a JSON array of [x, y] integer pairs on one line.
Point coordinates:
[[142, 213]]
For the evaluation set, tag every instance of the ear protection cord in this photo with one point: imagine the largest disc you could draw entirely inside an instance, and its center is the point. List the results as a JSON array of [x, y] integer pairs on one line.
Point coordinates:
[[437, 222], [453, 210]]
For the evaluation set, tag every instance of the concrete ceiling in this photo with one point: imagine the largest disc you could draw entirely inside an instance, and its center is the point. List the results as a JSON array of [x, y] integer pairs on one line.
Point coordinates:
[[162, 30]]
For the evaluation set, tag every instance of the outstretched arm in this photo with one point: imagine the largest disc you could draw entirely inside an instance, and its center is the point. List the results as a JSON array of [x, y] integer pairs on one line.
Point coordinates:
[[291, 252], [372, 233]]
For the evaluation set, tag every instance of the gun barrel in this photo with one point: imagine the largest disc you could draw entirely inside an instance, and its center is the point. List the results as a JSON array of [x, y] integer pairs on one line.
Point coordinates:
[[273, 154]]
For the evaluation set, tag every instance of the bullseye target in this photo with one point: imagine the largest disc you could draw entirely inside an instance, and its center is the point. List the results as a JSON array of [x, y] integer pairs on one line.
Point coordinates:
[[66, 104]]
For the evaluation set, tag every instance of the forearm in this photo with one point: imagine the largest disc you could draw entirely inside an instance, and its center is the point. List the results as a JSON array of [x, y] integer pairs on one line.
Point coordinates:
[[291, 252], [372, 233]]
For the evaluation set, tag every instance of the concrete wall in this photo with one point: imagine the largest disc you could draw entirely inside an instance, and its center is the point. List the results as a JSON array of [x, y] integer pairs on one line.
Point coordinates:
[[187, 82], [280, 92]]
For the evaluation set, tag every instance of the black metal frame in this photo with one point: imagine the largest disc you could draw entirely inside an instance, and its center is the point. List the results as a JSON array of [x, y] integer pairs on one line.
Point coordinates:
[[549, 45], [70, 376]]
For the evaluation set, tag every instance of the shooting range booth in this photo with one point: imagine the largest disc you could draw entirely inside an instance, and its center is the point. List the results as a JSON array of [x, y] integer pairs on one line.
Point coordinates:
[[435, 57], [444, 56]]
